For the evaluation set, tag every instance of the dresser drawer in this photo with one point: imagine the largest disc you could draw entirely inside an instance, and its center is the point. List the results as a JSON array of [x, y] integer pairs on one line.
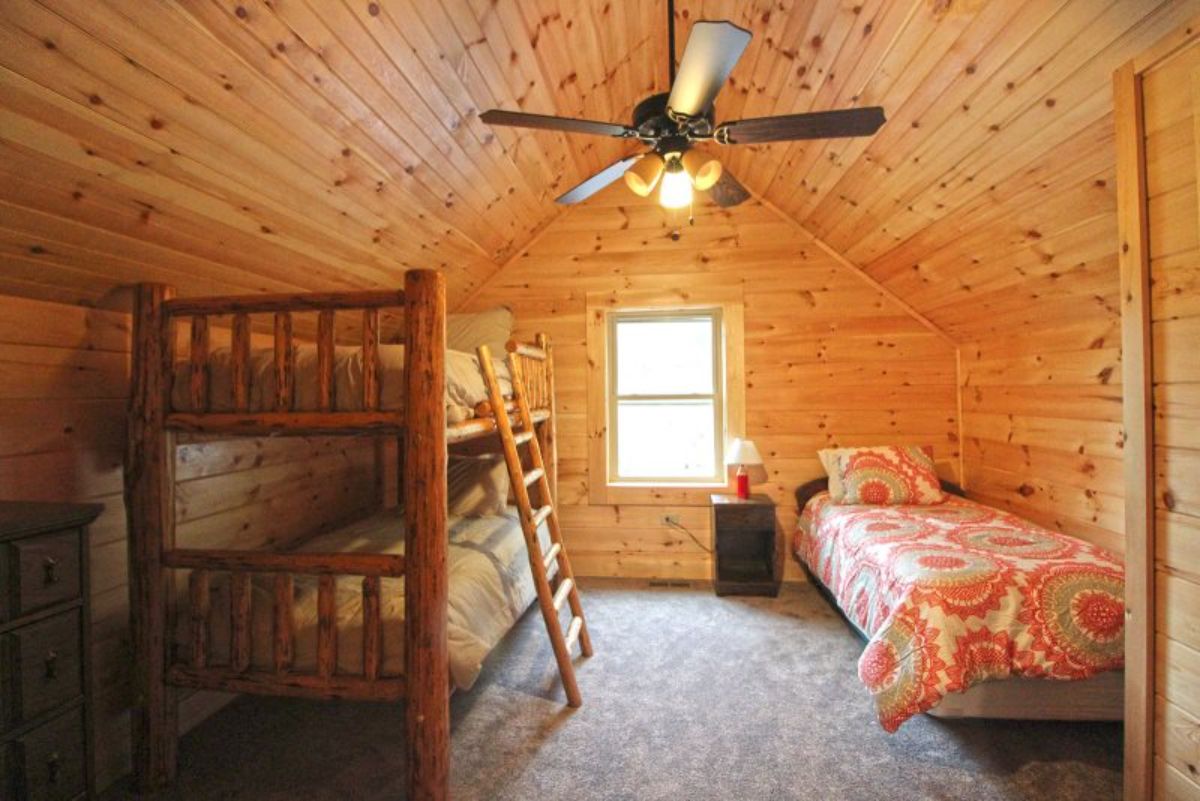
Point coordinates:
[[43, 667], [50, 760], [40, 571], [8, 770]]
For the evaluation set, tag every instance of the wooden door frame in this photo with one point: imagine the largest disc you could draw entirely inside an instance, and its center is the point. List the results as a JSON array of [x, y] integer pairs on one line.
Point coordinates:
[[1137, 373], [1137, 377]]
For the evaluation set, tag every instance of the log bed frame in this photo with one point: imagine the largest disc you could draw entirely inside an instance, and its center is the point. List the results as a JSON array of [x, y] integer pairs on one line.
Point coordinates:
[[420, 426]]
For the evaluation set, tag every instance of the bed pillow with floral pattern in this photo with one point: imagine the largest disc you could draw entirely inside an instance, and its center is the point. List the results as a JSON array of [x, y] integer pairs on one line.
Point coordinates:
[[887, 475]]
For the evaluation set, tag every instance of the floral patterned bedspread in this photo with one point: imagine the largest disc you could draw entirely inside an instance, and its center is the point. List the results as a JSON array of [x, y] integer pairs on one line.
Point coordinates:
[[959, 593]]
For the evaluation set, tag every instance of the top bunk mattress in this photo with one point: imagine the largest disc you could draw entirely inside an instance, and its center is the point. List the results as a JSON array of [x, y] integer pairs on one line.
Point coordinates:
[[465, 387], [958, 593], [490, 584]]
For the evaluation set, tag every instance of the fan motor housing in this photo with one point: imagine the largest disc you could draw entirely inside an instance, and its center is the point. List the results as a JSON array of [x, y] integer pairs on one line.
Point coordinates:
[[652, 121]]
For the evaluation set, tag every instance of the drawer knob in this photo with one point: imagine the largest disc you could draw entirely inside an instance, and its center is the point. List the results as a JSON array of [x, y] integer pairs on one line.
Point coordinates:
[[51, 664], [53, 767], [50, 571]]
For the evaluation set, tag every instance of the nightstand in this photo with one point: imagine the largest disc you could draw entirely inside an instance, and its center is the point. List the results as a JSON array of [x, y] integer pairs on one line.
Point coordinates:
[[744, 545]]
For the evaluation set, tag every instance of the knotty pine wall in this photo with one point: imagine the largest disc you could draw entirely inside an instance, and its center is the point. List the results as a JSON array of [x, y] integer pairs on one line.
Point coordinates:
[[63, 383], [829, 360], [1171, 113], [1028, 283], [1042, 429]]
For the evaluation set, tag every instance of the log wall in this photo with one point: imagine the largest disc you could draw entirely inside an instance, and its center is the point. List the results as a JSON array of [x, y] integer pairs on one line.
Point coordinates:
[[63, 385], [829, 360]]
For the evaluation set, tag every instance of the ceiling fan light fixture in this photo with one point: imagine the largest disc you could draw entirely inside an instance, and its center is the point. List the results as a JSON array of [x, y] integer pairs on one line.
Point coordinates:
[[669, 123], [704, 169], [643, 176], [676, 191]]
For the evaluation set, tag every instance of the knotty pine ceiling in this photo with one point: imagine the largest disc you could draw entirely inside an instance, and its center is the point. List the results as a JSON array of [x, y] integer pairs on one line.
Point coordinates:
[[229, 146]]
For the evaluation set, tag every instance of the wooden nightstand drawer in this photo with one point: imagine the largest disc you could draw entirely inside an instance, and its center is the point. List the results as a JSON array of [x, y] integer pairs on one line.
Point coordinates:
[[49, 761], [753, 516], [39, 571], [43, 668]]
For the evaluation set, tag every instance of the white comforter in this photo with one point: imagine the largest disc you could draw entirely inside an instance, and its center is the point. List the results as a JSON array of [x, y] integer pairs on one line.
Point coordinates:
[[490, 588]]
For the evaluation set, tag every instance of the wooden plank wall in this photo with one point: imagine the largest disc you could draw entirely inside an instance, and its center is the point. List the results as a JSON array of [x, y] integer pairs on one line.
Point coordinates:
[[1172, 113], [63, 383], [829, 360], [1042, 429]]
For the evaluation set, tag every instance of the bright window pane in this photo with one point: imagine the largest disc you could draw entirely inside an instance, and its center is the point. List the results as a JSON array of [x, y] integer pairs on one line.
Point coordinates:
[[665, 439], [665, 357]]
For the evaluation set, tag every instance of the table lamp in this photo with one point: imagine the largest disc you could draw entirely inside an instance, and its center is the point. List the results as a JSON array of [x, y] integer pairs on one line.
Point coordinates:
[[745, 455]]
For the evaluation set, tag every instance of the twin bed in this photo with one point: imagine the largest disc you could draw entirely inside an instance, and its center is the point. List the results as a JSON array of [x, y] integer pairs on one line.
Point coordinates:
[[968, 610], [490, 587]]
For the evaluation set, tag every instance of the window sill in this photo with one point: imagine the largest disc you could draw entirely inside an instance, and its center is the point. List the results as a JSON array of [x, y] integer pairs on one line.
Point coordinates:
[[640, 494]]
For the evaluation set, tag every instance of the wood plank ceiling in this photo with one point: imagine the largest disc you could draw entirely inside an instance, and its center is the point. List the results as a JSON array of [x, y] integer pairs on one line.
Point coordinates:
[[243, 145]]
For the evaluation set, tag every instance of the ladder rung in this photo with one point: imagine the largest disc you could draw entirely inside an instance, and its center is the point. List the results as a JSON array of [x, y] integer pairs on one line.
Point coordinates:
[[573, 631], [533, 475], [540, 516], [521, 437], [551, 555], [560, 595]]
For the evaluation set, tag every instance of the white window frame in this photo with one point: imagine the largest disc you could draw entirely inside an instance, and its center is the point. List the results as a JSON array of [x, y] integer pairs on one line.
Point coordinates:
[[597, 487], [717, 396]]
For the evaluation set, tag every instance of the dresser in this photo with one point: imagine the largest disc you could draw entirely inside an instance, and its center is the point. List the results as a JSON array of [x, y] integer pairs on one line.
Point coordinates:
[[45, 665]]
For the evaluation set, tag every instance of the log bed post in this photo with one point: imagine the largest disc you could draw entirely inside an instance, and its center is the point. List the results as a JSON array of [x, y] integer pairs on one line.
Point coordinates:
[[427, 664], [149, 505]]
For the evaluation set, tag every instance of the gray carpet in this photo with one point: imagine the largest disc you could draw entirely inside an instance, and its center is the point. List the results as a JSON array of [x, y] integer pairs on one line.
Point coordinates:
[[689, 696]]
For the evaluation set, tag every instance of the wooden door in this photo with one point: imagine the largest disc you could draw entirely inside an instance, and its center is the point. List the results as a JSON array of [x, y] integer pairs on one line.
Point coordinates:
[[1158, 134]]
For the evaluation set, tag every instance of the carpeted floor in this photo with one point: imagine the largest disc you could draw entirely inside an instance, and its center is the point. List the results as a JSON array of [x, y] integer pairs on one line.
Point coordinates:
[[689, 696]]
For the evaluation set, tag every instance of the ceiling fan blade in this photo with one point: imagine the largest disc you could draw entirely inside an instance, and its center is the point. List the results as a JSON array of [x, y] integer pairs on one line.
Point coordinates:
[[520, 119], [712, 50], [598, 181], [728, 191], [790, 127]]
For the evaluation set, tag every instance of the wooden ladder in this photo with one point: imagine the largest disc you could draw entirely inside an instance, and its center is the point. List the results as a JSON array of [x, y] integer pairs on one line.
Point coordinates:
[[550, 600]]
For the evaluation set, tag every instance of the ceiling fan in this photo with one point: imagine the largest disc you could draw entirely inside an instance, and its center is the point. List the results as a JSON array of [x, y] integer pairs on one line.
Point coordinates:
[[670, 123]]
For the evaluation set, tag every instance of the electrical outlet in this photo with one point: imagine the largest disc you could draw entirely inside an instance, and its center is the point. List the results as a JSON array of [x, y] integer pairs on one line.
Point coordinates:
[[670, 519]]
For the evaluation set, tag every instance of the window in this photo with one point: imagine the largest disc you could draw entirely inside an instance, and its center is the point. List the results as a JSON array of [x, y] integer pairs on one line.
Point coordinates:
[[666, 393], [665, 410]]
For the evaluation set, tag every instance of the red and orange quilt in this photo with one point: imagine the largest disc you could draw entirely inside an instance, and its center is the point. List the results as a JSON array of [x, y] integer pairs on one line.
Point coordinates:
[[960, 593]]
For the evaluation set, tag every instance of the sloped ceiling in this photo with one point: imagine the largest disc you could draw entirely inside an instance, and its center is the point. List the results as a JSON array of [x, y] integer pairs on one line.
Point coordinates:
[[246, 145]]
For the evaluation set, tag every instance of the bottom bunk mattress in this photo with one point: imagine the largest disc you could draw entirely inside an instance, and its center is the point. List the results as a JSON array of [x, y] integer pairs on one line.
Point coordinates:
[[490, 583], [957, 594]]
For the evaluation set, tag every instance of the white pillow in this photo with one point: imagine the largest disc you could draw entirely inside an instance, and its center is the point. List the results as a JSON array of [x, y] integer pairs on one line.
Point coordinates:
[[829, 461], [477, 485], [493, 328]]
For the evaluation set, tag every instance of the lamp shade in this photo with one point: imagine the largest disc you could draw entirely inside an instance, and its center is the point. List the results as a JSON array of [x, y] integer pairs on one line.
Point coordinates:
[[704, 169], [642, 177], [743, 452]]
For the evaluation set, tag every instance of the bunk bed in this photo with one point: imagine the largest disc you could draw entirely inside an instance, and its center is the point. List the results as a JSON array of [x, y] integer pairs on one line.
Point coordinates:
[[322, 388]]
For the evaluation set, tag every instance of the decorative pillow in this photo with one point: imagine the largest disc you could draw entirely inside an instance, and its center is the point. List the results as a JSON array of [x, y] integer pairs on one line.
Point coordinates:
[[829, 460], [493, 328], [887, 475], [477, 485]]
